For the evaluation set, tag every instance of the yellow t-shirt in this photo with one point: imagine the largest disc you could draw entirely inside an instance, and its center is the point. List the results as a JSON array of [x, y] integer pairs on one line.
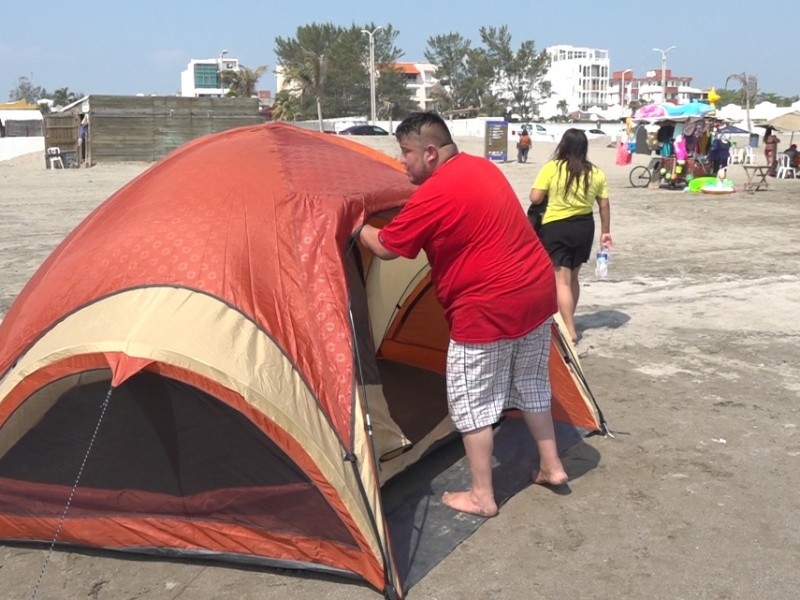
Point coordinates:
[[560, 205]]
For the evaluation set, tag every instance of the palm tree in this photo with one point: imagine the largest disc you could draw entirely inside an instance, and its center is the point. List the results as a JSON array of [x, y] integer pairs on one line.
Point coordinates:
[[242, 83], [562, 107], [286, 106], [749, 88], [309, 77], [62, 97]]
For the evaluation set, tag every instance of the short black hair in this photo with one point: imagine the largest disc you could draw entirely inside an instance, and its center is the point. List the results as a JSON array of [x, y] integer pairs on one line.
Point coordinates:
[[416, 121]]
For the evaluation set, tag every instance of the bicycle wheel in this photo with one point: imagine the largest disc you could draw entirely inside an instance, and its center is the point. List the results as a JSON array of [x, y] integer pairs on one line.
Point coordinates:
[[640, 177]]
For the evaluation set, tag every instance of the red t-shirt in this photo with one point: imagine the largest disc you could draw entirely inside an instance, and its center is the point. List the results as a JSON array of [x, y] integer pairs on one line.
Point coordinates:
[[492, 275]]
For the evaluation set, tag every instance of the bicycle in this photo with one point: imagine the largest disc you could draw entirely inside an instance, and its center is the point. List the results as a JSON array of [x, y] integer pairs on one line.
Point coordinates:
[[674, 175]]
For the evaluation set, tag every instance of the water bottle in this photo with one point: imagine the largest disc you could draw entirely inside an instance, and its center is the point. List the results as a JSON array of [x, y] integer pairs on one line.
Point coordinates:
[[601, 268]]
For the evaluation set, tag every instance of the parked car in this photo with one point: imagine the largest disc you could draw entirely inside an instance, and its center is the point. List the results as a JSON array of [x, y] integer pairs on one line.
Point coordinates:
[[596, 133], [532, 128], [364, 130], [536, 131]]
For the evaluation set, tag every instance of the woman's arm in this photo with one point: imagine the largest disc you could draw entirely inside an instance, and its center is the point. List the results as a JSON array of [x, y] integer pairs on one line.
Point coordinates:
[[537, 196], [605, 222]]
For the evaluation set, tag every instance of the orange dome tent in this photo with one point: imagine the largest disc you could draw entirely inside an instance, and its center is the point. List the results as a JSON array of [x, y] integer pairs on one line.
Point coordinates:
[[229, 366]]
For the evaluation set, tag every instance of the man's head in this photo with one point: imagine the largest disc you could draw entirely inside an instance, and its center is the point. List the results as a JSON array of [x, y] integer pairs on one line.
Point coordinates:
[[425, 144]]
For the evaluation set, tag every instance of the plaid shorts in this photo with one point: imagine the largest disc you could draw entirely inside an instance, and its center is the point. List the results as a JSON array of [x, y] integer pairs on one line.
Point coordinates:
[[485, 379]]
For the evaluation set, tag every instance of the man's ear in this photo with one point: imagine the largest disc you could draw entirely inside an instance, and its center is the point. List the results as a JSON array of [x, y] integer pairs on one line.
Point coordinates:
[[431, 154]]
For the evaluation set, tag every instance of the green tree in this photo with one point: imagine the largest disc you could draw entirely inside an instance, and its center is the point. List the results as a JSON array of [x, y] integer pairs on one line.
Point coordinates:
[[777, 99], [393, 97], [635, 105], [457, 69], [26, 90], [63, 97], [242, 83], [305, 60], [728, 97], [286, 107], [327, 68], [517, 76], [493, 77]]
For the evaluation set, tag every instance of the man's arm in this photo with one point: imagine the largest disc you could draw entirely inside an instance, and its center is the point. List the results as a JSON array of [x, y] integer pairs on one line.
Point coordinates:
[[369, 236]]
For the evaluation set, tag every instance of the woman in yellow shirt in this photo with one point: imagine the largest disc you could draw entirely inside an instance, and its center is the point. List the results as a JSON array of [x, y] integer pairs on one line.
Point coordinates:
[[571, 185]]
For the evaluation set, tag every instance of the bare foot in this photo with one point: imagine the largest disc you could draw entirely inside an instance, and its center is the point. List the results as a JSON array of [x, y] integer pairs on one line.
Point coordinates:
[[464, 502], [550, 478]]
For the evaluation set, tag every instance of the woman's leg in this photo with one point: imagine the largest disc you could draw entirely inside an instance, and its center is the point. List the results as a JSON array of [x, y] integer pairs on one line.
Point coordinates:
[[567, 298], [575, 286]]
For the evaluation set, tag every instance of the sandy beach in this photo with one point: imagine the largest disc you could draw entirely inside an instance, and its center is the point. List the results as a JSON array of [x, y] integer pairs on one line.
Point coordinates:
[[692, 348]]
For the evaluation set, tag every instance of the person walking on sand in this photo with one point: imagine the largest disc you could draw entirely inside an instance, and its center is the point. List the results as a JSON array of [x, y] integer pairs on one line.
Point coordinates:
[[496, 285], [523, 146], [771, 142], [571, 185]]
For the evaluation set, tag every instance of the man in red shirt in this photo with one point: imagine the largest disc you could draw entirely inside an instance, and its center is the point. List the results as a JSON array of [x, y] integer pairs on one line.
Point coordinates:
[[497, 287]]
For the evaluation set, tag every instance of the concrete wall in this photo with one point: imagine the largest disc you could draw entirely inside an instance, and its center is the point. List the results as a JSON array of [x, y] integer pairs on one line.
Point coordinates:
[[17, 146], [471, 127]]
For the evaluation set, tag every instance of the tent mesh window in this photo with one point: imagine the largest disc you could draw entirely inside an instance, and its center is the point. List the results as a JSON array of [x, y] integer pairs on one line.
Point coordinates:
[[164, 449]]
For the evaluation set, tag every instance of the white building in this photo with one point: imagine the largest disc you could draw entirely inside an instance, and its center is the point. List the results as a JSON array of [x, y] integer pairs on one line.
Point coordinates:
[[578, 76], [679, 89], [420, 79], [202, 76]]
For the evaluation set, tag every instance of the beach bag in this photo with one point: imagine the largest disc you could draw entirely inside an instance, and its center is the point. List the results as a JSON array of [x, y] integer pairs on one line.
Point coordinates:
[[536, 214]]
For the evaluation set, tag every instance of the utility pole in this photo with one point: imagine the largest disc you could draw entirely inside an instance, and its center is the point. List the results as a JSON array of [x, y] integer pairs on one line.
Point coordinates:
[[664, 71], [371, 35], [219, 70], [622, 88]]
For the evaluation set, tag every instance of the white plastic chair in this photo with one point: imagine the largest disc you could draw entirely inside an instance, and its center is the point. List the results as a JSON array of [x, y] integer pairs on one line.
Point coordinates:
[[785, 168], [54, 158], [736, 156], [749, 156]]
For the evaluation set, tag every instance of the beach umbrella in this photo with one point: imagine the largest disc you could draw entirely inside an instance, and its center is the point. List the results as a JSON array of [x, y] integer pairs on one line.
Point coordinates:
[[732, 129], [787, 122]]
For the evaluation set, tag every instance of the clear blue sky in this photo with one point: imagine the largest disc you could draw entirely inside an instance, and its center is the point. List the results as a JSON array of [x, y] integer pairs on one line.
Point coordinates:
[[110, 47]]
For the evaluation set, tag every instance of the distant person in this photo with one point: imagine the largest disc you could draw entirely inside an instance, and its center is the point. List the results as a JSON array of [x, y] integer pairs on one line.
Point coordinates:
[[771, 142], [571, 185], [623, 149], [523, 146], [496, 285], [83, 132], [720, 152], [794, 156]]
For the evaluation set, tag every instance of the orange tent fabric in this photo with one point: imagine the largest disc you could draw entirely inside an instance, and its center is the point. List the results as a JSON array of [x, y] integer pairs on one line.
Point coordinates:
[[206, 320]]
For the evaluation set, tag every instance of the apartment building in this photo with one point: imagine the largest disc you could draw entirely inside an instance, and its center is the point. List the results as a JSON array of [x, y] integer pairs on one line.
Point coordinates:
[[627, 88], [579, 76], [202, 76], [420, 79]]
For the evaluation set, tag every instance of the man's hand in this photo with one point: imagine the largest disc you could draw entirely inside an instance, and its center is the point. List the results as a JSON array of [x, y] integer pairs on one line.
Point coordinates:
[[370, 237]]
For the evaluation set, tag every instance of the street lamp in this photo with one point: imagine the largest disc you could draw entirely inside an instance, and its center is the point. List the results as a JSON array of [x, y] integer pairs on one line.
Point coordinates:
[[622, 87], [664, 71], [371, 35], [219, 70]]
